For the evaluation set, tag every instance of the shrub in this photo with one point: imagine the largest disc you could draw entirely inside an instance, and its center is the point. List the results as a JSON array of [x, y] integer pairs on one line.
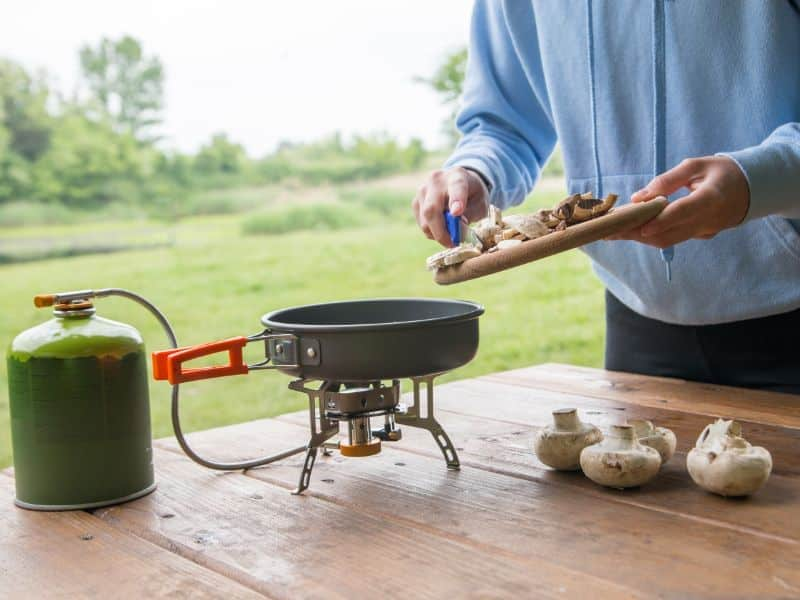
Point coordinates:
[[308, 217], [387, 203], [18, 214]]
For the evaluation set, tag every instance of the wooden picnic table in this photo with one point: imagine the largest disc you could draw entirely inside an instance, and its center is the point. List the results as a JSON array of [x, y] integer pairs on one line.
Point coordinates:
[[400, 524]]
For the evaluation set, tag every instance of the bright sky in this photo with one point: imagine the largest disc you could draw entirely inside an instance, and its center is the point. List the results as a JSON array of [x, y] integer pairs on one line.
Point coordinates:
[[266, 70]]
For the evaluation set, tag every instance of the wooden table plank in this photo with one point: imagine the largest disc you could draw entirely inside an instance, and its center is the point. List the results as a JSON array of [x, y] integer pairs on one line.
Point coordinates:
[[640, 548], [526, 405], [769, 408], [673, 491], [492, 444], [76, 555], [306, 547], [400, 524]]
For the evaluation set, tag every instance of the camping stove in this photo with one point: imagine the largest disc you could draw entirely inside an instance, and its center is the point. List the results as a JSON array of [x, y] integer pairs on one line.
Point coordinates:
[[351, 347], [348, 358], [356, 405]]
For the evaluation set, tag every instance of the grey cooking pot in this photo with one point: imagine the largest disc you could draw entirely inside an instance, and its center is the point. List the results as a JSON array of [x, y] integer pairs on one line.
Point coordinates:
[[351, 341]]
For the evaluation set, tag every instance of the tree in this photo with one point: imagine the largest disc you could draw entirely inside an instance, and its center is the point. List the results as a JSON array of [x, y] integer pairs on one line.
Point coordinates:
[[220, 155], [89, 165], [23, 111], [25, 129], [448, 81], [127, 85]]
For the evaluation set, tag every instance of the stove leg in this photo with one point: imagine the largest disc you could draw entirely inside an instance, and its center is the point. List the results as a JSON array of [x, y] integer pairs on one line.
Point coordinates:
[[320, 431], [413, 418], [445, 445], [305, 474]]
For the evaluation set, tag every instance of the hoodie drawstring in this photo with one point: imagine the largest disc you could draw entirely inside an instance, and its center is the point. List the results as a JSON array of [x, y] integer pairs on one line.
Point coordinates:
[[592, 101], [659, 108]]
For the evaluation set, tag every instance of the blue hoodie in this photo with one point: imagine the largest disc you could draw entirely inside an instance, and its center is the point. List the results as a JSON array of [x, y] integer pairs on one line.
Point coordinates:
[[630, 88]]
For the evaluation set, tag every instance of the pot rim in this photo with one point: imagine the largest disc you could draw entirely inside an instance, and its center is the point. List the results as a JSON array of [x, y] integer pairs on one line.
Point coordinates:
[[271, 320]]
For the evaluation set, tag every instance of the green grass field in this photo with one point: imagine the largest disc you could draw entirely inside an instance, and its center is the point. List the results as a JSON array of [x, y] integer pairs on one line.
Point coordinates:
[[216, 282]]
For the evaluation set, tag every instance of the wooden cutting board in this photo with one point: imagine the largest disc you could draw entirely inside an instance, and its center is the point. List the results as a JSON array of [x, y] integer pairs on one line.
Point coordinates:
[[617, 220]]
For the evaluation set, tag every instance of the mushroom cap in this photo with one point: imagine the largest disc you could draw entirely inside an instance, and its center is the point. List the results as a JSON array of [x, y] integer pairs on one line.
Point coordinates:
[[486, 229], [620, 461], [735, 471], [529, 225], [559, 445], [503, 244], [725, 463], [660, 438]]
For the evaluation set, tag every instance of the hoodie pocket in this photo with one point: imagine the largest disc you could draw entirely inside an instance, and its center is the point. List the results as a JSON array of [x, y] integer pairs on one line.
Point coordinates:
[[786, 234]]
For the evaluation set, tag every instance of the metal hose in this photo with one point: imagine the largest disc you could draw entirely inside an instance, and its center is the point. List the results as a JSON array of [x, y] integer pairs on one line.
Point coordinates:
[[176, 421]]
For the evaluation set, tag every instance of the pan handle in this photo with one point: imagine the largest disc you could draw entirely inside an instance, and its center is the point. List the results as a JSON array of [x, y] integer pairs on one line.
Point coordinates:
[[168, 364]]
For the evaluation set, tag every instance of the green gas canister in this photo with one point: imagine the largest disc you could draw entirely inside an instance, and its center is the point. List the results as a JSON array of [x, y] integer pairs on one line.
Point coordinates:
[[80, 413]]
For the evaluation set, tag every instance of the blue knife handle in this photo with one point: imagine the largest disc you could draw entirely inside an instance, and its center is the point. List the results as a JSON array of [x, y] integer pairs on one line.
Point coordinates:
[[453, 224]]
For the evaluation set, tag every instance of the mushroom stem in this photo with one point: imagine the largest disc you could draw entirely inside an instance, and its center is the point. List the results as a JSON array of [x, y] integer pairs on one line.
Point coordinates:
[[566, 419], [623, 432]]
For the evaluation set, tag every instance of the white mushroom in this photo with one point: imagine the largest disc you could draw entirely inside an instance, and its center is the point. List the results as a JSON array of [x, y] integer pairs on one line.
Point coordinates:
[[460, 253], [528, 225], [660, 438], [495, 215], [451, 256], [546, 216], [620, 461], [485, 230], [434, 261], [509, 233], [503, 244], [723, 462], [559, 445]]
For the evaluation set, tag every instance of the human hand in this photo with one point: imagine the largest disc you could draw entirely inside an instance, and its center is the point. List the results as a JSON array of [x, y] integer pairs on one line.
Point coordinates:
[[458, 189], [719, 199]]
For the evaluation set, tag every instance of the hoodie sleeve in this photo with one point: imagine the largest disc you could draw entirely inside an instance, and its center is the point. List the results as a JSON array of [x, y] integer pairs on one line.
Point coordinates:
[[772, 170], [507, 131]]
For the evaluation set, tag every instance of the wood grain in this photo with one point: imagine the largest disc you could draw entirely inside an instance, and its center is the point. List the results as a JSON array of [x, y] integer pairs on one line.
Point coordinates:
[[529, 405], [526, 409], [401, 525], [618, 220], [76, 555], [769, 408], [307, 547], [503, 443], [534, 519]]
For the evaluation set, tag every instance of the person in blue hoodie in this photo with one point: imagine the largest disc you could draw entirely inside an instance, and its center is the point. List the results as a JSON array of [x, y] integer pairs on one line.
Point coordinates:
[[698, 101]]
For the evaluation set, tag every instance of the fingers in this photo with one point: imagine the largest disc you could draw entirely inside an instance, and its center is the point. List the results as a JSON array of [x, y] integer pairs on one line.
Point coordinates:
[[682, 220], [660, 241], [625, 235], [457, 191], [416, 207], [676, 213], [718, 200], [669, 238], [428, 206], [478, 203], [670, 181], [432, 209]]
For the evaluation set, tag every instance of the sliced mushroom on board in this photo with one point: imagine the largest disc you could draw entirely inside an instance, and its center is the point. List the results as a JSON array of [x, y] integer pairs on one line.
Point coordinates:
[[495, 229]]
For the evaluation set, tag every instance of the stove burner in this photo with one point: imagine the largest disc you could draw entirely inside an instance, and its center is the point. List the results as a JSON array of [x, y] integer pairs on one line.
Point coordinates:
[[356, 403]]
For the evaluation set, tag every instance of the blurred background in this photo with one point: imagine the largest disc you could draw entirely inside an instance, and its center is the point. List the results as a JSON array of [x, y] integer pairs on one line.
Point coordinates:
[[227, 159]]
